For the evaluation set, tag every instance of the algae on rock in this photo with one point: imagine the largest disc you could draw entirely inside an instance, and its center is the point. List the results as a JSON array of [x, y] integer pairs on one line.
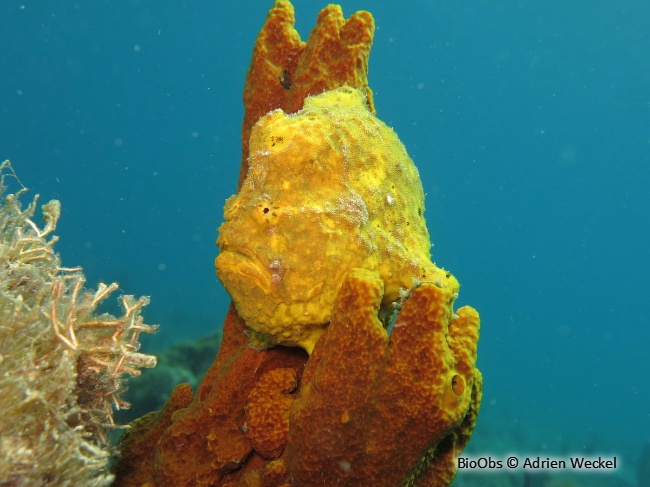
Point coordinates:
[[62, 362]]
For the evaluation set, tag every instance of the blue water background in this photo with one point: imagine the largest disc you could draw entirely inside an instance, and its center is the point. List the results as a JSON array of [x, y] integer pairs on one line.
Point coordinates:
[[529, 122]]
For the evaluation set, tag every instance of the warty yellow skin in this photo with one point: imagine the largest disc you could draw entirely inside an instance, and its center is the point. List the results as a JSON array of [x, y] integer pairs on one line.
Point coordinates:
[[329, 189]]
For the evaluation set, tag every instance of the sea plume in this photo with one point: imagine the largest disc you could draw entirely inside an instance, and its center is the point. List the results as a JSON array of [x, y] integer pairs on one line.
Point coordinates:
[[63, 363]]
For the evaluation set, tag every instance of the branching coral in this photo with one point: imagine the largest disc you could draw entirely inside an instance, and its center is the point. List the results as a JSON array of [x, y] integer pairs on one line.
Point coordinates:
[[62, 364]]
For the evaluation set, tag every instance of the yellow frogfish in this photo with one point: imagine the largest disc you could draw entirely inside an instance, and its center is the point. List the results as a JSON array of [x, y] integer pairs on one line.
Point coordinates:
[[329, 189]]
